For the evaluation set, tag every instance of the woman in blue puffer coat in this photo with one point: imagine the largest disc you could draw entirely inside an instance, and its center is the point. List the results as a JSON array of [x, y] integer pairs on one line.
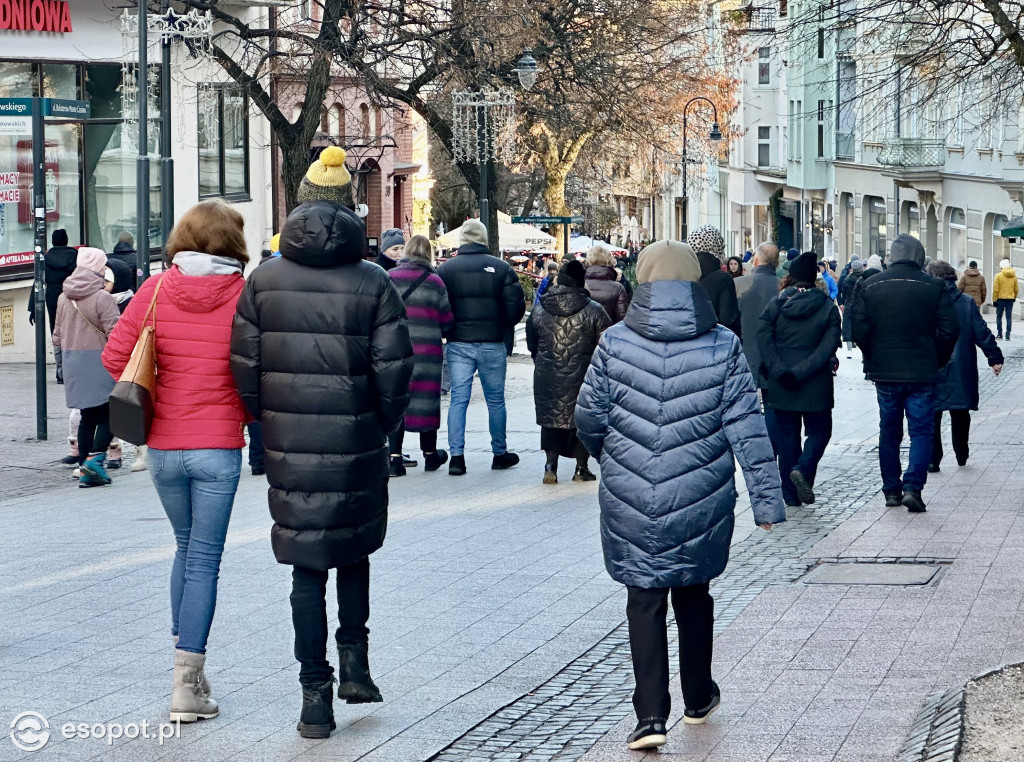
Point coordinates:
[[667, 405]]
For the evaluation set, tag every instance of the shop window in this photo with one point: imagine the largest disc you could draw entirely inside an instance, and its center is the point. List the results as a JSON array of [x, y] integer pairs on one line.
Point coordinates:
[[957, 237], [223, 142]]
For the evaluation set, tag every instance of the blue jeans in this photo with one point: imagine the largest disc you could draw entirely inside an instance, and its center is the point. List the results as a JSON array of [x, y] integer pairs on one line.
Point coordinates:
[[917, 401], [490, 361], [197, 489], [784, 432], [1004, 307]]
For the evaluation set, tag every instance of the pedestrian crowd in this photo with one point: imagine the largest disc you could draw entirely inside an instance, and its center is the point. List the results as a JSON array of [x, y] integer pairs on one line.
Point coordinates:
[[330, 359]]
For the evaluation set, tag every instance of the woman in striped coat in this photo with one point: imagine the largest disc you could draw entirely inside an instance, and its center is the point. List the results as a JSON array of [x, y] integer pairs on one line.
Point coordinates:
[[429, 314]]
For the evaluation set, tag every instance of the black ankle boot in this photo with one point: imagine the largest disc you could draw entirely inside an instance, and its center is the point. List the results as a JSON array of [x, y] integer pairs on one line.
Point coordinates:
[[317, 718], [354, 682]]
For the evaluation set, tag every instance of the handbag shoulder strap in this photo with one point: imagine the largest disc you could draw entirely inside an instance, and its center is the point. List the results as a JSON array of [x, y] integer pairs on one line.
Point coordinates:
[[87, 320], [415, 284], [151, 310]]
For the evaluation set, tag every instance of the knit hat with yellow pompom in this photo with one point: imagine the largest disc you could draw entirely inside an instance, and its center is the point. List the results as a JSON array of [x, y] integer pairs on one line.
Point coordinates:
[[327, 179]]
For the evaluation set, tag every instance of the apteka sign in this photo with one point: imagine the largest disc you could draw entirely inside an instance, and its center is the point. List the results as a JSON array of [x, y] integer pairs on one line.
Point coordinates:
[[35, 15]]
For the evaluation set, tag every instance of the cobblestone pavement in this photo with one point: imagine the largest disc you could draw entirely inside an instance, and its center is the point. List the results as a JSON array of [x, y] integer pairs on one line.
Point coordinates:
[[496, 634]]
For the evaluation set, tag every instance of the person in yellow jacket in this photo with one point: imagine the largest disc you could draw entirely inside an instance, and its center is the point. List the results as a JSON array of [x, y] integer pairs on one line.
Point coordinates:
[[1004, 294]]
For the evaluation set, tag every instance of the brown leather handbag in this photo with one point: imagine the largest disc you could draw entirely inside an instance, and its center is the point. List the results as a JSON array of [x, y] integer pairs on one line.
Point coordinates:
[[134, 395]]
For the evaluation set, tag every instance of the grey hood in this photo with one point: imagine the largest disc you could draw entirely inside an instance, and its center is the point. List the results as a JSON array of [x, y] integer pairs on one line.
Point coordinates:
[[196, 263]]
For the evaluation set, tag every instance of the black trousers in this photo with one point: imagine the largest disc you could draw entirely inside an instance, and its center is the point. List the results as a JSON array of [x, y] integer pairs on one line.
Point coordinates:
[[428, 441], [94, 431], [960, 429], [309, 616], [648, 640]]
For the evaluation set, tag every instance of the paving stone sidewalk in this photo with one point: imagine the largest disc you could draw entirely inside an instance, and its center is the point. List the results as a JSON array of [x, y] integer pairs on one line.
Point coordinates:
[[490, 598]]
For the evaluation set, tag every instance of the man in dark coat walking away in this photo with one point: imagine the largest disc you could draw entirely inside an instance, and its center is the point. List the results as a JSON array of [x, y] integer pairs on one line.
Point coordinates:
[[797, 339], [487, 301], [562, 334], [848, 299], [321, 355], [755, 291], [708, 244], [124, 252], [906, 326], [669, 406], [957, 390], [58, 265]]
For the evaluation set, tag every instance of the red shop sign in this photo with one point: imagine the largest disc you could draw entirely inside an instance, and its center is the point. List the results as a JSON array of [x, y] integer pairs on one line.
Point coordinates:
[[35, 15]]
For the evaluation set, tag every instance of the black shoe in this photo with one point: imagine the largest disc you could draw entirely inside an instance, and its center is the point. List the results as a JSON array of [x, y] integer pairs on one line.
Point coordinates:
[[893, 499], [69, 460], [583, 475], [794, 504], [317, 718], [700, 716], [503, 461], [912, 499], [259, 471], [457, 467], [434, 460], [961, 463], [354, 683], [999, 336], [803, 487], [396, 466], [409, 462], [113, 464], [934, 468], [648, 735], [550, 474]]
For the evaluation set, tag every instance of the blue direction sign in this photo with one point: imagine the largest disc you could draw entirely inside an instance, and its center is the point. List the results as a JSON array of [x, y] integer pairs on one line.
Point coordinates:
[[57, 108], [15, 107], [575, 220]]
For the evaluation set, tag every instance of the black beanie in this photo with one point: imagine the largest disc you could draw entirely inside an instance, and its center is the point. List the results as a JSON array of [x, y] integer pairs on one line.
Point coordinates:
[[572, 275], [804, 268], [59, 237]]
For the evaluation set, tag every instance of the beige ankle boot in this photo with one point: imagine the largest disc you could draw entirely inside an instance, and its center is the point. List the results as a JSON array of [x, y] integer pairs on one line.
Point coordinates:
[[188, 702], [139, 464], [205, 685]]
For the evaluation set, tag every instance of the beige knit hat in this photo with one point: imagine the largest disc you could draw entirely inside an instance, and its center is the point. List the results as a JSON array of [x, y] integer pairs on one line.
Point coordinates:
[[328, 179], [667, 260], [473, 231]]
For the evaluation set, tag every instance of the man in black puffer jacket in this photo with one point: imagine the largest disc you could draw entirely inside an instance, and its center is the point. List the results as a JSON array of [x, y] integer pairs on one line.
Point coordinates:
[[907, 327], [321, 355], [124, 251], [487, 301]]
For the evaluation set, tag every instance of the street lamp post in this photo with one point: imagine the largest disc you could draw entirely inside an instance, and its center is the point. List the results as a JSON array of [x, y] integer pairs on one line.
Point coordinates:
[[714, 136]]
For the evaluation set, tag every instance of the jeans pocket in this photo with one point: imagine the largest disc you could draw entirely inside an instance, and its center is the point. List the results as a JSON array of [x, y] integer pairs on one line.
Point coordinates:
[[215, 465]]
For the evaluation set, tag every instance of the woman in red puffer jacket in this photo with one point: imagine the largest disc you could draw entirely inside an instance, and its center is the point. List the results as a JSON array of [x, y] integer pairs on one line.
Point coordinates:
[[195, 443]]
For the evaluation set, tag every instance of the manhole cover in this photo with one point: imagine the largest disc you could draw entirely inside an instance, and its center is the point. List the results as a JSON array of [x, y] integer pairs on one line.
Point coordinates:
[[872, 574]]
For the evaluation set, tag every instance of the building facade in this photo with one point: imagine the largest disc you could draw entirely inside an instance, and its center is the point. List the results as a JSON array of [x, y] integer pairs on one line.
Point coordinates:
[[90, 165]]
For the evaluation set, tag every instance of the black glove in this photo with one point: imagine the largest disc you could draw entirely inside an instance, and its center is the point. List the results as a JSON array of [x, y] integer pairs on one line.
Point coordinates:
[[788, 379], [31, 318]]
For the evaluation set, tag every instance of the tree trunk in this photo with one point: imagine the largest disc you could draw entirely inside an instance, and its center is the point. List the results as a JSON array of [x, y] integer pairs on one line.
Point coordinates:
[[294, 163], [554, 197]]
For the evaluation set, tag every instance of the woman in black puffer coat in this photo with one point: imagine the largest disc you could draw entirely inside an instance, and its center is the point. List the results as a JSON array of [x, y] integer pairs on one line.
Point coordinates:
[[321, 355], [798, 336], [603, 285], [562, 333]]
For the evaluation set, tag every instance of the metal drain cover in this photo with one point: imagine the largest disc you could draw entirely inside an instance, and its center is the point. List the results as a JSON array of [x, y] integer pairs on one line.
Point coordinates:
[[872, 574]]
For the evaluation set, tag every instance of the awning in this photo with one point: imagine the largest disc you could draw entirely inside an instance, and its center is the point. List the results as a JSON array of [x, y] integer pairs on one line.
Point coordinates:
[[405, 168], [1013, 229], [511, 237]]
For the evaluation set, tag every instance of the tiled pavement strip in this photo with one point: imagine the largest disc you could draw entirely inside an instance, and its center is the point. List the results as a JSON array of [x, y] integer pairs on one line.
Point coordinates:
[[491, 588]]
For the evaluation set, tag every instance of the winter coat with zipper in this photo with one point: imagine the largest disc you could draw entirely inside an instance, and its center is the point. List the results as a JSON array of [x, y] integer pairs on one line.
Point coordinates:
[[197, 406], [86, 314], [321, 354], [1005, 285], [607, 291], [798, 337], [668, 405], [562, 334], [486, 296], [429, 315], [958, 380], [848, 300], [721, 290], [763, 287], [972, 283], [904, 324]]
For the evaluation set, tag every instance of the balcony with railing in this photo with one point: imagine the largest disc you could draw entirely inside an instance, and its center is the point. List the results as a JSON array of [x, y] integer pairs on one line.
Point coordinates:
[[750, 19], [912, 153]]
